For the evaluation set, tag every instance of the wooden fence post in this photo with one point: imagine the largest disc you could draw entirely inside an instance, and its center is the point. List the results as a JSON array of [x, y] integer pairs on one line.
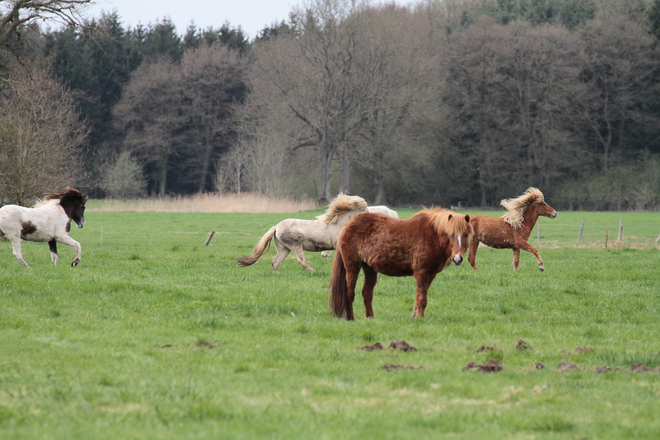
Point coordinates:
[[208, 240], [657, 240], [605, 239], [580, 234], [620, 237]]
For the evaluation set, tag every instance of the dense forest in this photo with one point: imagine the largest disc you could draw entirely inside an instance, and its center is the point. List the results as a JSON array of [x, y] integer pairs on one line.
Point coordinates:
[[445, 102]]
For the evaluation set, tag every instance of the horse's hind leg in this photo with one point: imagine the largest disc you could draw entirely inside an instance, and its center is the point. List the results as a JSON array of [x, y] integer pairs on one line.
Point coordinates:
[[370, 278], [282, 253], [68, 241], [532, 249], [53, 251], [516, 258], [16, 249]]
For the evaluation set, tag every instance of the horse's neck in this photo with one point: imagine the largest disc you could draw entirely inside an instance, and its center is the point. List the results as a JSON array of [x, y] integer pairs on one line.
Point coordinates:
[[529, 220]]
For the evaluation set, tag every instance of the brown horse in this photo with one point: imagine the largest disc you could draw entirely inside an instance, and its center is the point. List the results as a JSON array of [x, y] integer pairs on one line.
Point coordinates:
[[421, 246], [512, 230]]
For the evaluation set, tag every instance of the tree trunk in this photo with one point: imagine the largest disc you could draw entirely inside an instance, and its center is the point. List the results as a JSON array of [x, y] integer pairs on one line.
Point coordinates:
[[163, 177], [326, 174], [381, 198], [345, 169]]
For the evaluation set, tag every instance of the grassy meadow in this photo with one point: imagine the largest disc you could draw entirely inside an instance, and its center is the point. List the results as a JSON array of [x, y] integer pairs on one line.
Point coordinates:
[[155, 335]]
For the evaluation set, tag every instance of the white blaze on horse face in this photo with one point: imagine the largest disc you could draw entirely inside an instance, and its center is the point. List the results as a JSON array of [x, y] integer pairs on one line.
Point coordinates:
[[458, 258]]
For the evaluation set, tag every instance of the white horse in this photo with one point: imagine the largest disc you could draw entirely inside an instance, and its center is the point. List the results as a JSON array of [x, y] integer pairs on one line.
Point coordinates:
[[380, 209], [307, 235], [49, 221]]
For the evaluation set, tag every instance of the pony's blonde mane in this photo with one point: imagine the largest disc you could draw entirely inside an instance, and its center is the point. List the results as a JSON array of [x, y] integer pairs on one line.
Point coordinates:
[[518, 206], [447, 222], [341, 205]]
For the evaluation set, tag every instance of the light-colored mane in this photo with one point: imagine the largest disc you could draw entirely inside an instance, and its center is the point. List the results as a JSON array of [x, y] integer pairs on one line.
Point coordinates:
[[341, 205], [518, 206], [439, 218]]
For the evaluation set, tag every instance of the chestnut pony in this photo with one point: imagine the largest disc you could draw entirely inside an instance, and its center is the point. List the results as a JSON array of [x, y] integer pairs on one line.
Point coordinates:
[[421, 246], [512, 230]]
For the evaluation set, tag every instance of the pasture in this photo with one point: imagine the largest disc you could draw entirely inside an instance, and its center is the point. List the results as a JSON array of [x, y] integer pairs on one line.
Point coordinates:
[[154, 335]]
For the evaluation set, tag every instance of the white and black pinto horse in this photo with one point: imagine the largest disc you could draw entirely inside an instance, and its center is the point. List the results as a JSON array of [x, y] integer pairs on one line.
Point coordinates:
[[380, 209], [295, 235], [49, 220]]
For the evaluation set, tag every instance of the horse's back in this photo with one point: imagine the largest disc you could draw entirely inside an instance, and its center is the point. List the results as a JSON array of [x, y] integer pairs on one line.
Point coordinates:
[[493, 231]]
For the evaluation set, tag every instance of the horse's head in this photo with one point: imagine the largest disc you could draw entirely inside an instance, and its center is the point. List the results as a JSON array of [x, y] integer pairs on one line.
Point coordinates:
[[73, 203], [460, 233], [545, 210], [79, 212]]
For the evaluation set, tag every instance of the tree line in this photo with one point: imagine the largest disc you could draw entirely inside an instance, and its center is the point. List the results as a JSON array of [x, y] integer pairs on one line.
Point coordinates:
[[446, 102]]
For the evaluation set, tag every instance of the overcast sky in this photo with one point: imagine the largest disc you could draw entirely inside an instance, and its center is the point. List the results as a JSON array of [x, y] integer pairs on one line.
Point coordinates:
[[251, 15]]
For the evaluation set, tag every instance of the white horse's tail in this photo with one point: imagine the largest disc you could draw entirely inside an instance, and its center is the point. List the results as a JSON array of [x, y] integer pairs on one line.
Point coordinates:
[[259, 249]]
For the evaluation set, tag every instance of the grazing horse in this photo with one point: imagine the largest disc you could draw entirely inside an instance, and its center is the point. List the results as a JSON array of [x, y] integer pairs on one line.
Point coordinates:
[[512, 230], [381, 209], [421, 246], [49, 221], [307, 235]]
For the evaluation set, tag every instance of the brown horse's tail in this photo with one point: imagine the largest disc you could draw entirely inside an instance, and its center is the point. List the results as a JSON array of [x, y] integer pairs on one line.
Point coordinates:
[[259, 249], [338, 288]]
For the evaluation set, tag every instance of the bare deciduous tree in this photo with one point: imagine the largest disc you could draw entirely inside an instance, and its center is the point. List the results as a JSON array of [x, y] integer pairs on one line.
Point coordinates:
[[41, 135], [17, 15], [148, 113]]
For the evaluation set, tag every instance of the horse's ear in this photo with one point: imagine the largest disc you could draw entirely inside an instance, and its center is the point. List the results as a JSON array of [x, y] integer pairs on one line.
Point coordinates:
[[467, 219], [449, 218]]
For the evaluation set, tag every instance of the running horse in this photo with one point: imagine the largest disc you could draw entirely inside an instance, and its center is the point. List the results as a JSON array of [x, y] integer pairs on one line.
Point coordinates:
[[421, 246], [307, 235], [512, 230], [50, 220]]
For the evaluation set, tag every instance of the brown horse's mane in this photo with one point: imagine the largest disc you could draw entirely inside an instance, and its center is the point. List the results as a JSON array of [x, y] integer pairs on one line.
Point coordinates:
[[445, 221], [52, 195], [519, 205], [342, 204]]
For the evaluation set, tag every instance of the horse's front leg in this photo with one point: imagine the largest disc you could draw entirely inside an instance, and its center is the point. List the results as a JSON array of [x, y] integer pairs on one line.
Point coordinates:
[[423, 282], [529, 248], [53, 251], [370, 279], [300, 255], [474, 245], [351, 280], [16, 249], [68, 241]]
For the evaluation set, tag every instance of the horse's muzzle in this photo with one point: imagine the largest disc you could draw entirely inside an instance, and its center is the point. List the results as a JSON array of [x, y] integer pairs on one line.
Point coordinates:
[[457, 260], [554, 214]]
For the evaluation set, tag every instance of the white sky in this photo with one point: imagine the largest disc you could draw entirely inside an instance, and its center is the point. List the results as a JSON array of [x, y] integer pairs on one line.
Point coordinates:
[[250, 15]]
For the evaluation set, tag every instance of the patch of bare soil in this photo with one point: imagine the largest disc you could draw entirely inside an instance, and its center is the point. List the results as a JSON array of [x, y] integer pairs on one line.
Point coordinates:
[[577, 350], [492, 366], [523, 345], [389, 367], [401, 345], [206, 344], [163, 346], [641, 368], [487, 348], [567, 366], [537, 366], [376, 346]]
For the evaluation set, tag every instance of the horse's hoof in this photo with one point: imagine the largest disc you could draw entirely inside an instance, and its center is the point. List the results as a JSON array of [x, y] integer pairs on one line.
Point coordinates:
[[74, 263], [541, 268]]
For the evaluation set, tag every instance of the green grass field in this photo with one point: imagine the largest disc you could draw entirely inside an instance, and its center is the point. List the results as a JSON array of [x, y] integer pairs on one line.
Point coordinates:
[[155, 335]]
